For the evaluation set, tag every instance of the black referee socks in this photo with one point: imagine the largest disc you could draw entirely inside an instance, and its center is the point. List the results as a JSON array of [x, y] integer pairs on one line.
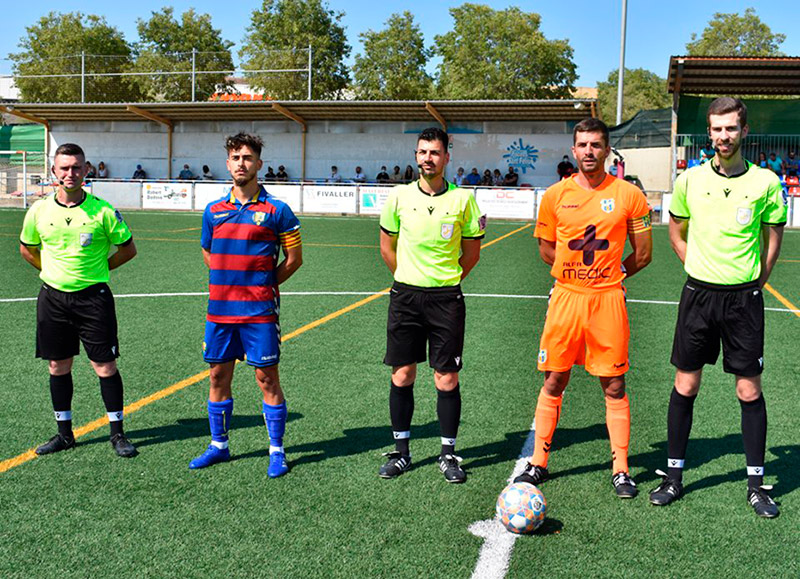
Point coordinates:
[[401, 411], [448, 407], [679, 425], [754, 435], [61, 394], [111, 390]]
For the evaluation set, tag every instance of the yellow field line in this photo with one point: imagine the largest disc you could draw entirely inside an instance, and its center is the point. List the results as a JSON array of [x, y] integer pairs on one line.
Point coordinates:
[[502, 237], [30, 454], [782, 299]]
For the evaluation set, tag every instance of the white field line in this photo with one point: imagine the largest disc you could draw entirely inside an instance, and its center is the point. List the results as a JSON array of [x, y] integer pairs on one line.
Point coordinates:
[[347, 293], [498, 543]]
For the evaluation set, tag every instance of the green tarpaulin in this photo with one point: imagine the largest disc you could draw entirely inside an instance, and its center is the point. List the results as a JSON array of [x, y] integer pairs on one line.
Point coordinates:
[[765, 116], [22, 138]]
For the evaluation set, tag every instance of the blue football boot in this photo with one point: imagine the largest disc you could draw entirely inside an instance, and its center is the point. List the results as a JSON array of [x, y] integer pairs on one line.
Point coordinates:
[[212, 455], [277, 465]]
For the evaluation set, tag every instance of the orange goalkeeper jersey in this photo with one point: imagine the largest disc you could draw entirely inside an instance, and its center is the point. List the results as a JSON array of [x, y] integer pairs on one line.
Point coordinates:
[[589, 228]]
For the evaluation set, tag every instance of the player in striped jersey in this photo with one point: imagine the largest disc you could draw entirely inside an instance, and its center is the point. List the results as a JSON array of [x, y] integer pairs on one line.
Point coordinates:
[[242, 235]]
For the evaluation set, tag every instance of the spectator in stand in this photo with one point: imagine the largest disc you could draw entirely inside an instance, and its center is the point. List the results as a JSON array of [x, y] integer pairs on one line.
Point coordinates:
[[139, 173], [487, 180], [474, 178], [396, 176], [360, 176], [186, 174], [335, 176], [790, 165], [383, 176], [707, 152], [102, 171], [775, 164], [91, 172], [281, 175], [511, 178], [497, 178], [565, 168], [270, 176], [762, 160], [459, 178], [409, 175], [207, 174]]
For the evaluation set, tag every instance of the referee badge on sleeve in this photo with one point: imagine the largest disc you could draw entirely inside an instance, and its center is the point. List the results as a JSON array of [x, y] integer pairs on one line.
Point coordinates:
[[86, 239]]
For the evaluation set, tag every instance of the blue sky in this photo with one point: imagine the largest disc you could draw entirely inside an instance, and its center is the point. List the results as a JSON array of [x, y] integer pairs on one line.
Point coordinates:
[[656, 30]]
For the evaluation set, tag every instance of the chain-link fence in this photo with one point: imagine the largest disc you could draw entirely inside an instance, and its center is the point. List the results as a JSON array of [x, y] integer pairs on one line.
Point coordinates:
[[163, 77], [690, 146], [22, 178]]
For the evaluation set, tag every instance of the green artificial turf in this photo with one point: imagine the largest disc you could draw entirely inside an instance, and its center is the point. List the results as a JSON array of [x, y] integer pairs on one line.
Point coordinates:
[[88, 513]]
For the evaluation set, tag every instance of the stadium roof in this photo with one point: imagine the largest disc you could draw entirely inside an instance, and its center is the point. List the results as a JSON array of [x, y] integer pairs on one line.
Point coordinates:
[[445, 112], [734, 75]]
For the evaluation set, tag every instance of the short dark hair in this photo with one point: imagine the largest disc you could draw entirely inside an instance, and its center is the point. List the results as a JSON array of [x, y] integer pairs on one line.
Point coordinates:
[[71, 150], [435, 134], [725, 105], [242, 139], [591, 125]]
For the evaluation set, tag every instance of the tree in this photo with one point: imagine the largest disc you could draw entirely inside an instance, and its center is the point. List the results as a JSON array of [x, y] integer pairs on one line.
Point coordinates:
[[644, 90], [166, 44], [393, 63], [501, 54], [54, 45], [736, 35], [278, 38]]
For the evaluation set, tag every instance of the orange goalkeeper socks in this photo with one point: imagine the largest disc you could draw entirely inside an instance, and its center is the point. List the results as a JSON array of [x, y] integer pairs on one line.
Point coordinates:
[[618, 421], [548, 410]]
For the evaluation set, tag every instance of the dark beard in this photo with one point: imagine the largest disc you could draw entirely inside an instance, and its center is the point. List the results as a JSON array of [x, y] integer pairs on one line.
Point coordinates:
[[241, 182]]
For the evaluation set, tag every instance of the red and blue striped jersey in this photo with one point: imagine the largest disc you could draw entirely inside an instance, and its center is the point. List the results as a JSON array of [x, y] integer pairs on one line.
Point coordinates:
[[244, 241]]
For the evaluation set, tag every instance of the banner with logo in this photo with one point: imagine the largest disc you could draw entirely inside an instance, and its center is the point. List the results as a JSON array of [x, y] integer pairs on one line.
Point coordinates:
[[507, 203], [329, 199], [167, 196], [289, 194], [205, 193], [373, 199]]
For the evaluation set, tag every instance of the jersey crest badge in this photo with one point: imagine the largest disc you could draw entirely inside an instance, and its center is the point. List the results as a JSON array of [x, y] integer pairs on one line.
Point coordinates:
[[258, 217], [86, 239], [744, 215], [447, 230], [542, 356], [607, 205]]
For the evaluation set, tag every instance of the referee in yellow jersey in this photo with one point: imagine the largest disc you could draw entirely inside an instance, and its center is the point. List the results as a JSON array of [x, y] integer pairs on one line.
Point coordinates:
[[431, 233], [67, 236]]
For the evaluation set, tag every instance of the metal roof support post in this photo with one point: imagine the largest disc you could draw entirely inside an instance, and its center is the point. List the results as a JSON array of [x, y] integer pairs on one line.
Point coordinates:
[[302, 122], [673, 151], [162, 121]]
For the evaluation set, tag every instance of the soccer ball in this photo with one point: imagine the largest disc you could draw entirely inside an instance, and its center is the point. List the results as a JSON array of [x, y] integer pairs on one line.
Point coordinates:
[[521, 508]]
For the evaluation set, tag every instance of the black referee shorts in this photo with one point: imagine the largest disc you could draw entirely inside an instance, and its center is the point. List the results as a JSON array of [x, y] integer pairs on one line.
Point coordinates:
[[65, 318], [418, 315], [709, 313]]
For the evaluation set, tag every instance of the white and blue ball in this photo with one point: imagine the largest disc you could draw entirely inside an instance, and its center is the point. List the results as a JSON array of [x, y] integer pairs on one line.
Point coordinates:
[[521, 508]]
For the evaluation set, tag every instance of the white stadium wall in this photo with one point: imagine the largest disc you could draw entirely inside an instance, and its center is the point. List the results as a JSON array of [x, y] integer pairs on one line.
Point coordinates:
[[534, 148]]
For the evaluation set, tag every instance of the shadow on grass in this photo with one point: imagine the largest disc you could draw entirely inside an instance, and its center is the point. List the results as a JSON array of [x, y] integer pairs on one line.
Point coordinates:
[[186, 428]]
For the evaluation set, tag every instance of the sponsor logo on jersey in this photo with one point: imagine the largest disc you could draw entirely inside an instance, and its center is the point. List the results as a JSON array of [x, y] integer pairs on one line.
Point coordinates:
[[458, 360], [447, 230], [607, 205], [573, 206], [259, 217], [218, 215], [86, 239], [744, 215], [482, 222]]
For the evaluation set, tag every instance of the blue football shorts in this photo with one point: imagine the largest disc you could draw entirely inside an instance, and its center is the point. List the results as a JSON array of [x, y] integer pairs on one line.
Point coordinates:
[[257, 344]]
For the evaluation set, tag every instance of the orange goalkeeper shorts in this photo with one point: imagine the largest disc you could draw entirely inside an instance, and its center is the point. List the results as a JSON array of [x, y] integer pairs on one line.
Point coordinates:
[[586, 327]]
